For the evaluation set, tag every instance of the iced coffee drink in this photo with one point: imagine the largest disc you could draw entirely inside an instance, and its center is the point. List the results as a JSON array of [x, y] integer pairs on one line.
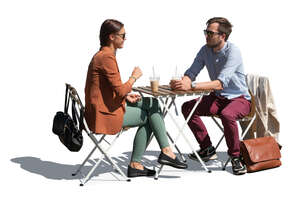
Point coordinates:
[[154, 82]]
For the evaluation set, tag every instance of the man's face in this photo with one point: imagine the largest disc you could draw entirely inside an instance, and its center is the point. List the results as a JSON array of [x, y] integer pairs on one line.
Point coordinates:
[[213, 38]]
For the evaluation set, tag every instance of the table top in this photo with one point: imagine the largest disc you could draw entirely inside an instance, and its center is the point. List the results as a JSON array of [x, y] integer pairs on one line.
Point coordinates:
[[166, 91]]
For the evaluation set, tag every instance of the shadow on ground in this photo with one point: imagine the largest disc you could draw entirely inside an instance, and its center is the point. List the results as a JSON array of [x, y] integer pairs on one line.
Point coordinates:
[[58, 171]]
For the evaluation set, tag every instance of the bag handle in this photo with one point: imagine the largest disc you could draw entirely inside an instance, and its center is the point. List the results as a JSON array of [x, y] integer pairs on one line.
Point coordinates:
[[67, 99], [76, 116], [74, 112]]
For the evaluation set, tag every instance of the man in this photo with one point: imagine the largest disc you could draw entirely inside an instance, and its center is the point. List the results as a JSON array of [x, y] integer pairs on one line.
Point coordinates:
[[230, 99]]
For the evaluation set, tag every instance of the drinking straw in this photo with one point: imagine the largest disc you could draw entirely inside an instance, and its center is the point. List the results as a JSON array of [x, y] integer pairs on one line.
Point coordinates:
[[153, 71]]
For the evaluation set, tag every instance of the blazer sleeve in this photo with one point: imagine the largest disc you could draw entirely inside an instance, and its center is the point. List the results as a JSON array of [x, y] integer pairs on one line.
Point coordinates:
[[111, 72]]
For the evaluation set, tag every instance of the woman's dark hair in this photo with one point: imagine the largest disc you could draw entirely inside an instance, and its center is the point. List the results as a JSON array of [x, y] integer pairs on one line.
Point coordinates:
[[224, 25], [109, 26]]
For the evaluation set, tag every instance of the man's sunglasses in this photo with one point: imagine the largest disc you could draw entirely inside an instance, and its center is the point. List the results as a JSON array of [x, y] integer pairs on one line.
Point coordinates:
[[123, 36], [210, 33]]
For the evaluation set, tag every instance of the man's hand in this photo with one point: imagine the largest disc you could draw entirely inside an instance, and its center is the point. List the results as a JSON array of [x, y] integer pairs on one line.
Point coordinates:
[[133, 98], [183, 84]]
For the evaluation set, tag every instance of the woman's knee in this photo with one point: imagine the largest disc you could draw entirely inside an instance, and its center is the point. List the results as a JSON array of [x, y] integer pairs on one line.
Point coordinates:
[[155, 102], [154, 105]]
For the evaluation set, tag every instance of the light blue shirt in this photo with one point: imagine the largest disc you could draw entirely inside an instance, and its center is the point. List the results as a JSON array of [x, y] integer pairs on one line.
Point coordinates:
[[225, 65]]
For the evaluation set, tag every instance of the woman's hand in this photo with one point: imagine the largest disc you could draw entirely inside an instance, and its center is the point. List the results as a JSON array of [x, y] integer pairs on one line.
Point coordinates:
[[136, 73], [133, 98]]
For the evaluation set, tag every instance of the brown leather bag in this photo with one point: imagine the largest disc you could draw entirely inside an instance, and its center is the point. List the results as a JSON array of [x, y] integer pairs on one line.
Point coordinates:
[[260, 153]]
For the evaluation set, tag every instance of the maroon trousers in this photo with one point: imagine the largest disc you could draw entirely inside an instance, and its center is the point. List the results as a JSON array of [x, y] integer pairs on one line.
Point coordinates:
[[229, 110]]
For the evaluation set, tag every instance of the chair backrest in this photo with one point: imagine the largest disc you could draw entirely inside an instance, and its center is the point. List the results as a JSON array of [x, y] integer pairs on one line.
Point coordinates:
[[74, 96], [78, 107], [253, 105]]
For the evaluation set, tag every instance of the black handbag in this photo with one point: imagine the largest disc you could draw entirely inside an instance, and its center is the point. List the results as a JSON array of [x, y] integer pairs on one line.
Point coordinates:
[[66, 127]]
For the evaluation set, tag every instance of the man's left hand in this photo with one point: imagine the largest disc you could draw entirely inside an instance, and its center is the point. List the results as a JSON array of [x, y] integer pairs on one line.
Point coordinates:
[[183, 84]]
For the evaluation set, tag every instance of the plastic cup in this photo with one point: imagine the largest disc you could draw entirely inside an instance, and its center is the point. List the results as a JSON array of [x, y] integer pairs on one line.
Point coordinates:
[[154, 83], [175, 78]]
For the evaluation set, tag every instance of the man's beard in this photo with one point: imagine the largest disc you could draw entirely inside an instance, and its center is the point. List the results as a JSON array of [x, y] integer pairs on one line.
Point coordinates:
[[214, 45]]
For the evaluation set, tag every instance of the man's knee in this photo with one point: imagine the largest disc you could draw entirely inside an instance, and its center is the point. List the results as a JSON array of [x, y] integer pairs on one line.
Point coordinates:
[[228, 115], [185, 108]]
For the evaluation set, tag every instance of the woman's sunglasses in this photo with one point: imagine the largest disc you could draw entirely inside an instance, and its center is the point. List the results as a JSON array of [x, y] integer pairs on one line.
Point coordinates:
[[123, 36]]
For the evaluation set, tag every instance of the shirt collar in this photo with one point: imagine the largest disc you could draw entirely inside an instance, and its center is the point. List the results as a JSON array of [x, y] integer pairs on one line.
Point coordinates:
[[223, 50]]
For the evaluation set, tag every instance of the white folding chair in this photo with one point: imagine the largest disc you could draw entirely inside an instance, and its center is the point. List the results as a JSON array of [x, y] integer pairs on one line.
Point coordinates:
[[72, 94], [249, 118]]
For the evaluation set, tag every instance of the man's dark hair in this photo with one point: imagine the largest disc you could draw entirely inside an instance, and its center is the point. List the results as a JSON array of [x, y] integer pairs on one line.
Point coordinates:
[[224, 25], [109, 26]]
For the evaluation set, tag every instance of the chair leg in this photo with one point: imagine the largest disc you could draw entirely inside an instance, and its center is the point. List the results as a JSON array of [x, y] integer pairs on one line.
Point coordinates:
[[83, 163], [108, 157], [104, 153], [158, 172], [224, 167], [248, 127], [87, 158], [241, 138], [222, 129], [220, 141]]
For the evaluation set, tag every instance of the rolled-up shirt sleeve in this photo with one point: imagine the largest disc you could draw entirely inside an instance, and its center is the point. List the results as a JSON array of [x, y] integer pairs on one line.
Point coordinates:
[[196, 67], [234, 60], [111, 72]]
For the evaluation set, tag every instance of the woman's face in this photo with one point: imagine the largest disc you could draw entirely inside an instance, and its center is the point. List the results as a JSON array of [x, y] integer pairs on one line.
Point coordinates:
[[119, 39]]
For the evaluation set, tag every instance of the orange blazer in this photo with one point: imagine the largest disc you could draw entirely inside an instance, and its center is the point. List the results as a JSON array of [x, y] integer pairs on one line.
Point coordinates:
[[105, 94]]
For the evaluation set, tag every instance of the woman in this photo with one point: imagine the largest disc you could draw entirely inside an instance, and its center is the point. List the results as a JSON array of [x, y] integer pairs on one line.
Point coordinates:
[[109, 106]]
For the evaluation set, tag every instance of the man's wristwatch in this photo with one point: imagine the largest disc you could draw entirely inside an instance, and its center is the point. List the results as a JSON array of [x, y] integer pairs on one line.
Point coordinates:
[[194, 83]]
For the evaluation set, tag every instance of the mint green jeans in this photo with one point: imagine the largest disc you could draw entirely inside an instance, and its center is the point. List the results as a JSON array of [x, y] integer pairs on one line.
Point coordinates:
[[146, 114]]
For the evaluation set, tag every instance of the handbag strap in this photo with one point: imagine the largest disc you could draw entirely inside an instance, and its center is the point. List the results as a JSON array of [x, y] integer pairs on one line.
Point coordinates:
[[81, 125], [76, 116], [74, 112], [67, 99]]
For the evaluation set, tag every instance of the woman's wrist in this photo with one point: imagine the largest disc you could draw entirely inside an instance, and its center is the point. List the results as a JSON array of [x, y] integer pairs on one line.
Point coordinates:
[[133, 78]]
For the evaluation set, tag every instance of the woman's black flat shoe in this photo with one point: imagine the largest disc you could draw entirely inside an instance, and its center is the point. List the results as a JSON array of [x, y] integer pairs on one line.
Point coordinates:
[[166, 160], [133, 172]]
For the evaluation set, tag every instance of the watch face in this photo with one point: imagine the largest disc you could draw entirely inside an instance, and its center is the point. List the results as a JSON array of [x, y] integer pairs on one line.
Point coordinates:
[[193, 84]]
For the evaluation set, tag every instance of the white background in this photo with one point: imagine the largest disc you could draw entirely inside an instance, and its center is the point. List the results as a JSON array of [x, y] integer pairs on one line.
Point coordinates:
[[44, 44]]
